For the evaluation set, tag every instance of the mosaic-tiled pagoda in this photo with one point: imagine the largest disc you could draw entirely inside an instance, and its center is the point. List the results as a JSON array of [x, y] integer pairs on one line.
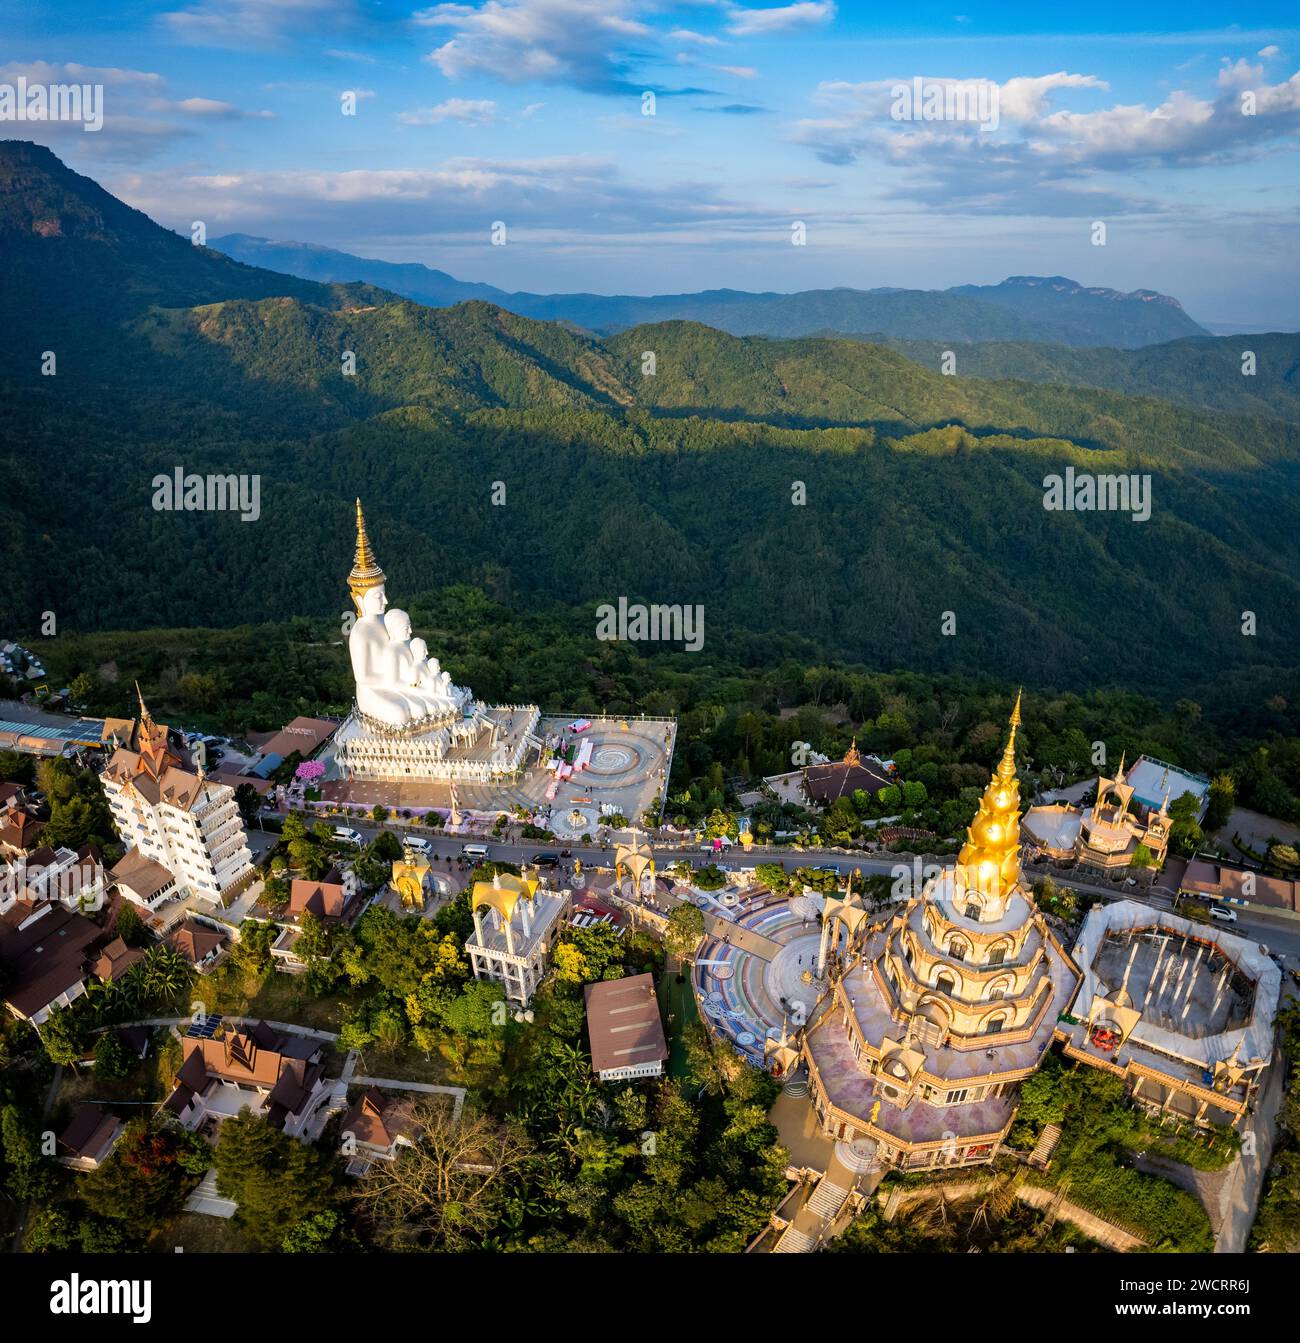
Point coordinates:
[[931, 1019]]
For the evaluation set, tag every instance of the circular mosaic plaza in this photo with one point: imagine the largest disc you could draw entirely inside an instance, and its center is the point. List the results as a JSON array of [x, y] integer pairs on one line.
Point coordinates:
[[759, 973], [611, 760]]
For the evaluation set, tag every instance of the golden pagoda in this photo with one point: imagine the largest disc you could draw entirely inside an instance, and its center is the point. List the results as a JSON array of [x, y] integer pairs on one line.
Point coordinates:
[[932, 1017], [988, 866]]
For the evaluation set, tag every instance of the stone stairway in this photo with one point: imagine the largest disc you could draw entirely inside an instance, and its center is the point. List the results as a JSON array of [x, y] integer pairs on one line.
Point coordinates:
[[793, 1241], [1041, 1156], [827, 1199]]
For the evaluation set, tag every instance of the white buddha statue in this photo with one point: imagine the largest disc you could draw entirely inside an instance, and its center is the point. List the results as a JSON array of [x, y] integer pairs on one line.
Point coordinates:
[[430, 678], [397, 683], [378, 696]]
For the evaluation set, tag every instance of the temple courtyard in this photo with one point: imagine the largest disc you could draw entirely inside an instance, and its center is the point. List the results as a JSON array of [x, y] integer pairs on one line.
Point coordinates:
[[754, 972], [626, 771]]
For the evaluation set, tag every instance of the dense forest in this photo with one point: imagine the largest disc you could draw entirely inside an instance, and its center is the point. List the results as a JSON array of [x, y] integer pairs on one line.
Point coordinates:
[[742, 704], [827, 489]]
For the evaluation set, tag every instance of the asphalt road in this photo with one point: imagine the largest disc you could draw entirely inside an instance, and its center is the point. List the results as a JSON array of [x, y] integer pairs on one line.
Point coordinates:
[[1280, 935]]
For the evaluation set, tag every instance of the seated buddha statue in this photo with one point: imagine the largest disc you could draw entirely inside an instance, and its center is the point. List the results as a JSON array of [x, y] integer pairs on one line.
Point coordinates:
[[398, 684]]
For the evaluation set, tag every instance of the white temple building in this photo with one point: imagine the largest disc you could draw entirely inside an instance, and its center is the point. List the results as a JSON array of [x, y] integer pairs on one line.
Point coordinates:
[[180, 819], [512, 944], [409, 722]]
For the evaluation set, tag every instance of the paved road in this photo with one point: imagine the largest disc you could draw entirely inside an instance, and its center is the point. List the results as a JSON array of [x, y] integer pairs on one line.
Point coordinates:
[[1281, 935]]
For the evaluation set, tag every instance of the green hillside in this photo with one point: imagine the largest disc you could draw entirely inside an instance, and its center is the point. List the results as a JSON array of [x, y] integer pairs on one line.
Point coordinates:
[[924, 493], [1204, 371]]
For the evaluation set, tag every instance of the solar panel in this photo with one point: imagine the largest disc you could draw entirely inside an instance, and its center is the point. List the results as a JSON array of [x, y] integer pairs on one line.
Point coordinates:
[[206, 1029]]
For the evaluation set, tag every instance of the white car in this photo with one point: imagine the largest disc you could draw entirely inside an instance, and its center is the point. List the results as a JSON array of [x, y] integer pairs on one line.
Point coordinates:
[[418, 844], [1223, 914], [347, 836]]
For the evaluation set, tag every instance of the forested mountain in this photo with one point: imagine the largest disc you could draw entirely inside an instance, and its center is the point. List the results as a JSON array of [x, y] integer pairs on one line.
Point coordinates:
[[1092, 315], [1200, 371], [1022, 308], [924, 493], [75, 258]]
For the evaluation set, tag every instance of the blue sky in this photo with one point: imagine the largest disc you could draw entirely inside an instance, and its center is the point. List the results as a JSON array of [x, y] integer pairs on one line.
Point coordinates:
[[531, 112]]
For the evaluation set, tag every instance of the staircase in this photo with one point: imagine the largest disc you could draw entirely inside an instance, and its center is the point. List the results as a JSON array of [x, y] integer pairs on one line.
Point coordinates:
[[827, 1199], [793, 1242], [1041, 1156], [797, 1086]]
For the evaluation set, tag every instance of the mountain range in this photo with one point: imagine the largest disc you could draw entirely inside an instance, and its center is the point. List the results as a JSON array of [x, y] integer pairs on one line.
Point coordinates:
[[1021, 308], [843, 492]]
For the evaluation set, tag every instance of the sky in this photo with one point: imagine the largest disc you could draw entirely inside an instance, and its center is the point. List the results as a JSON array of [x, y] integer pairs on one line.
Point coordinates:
[[659, 147]]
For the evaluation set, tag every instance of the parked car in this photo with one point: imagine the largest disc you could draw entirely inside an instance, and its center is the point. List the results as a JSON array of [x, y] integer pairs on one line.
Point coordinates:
[[1223, 914], [347, 836], [474, 851], [546, 860], [418, 844]]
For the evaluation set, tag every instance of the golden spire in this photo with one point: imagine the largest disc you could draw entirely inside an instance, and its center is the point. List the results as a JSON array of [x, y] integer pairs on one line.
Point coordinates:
[[144, 712], [851, 756], [366, 573], [990, 858], [1007, 765]]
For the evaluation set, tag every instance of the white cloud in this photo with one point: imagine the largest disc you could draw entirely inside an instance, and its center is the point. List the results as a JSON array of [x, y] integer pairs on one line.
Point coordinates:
[[1039, 159], [477, 112], [139, 118], [577, 42], [764, 22], [1239, 75], [463, 194], [739, 71], [255, 23], [686, 36], [218, 111], [1269, 52]]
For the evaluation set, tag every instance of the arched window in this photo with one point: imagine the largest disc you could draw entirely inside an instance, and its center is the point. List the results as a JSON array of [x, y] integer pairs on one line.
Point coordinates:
[[973, 911], [994, 1024], [998, 954], [957, 949], [945, 982]]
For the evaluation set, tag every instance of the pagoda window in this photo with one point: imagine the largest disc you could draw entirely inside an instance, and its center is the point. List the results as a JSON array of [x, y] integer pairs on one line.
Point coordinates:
[[994, 1025], [973, 912], [945, 983], [997, 955], [957, 950]]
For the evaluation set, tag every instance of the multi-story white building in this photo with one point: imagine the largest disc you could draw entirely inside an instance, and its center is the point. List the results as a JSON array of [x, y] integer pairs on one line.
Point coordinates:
[[186, 822], [513, 944]]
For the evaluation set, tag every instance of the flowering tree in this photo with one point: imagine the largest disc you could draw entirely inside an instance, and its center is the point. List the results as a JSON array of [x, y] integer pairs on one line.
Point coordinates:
[[309, 770]]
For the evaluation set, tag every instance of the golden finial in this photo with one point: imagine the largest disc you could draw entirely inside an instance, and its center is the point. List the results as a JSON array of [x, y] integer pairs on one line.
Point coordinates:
[[851, 756], [1007, 766], [144, 712], [990, 858], [366, 573]]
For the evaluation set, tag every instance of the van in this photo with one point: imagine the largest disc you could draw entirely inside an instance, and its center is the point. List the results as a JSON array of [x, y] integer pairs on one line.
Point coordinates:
[[1223, 914], [474, 851], [418, 844], [346, 836], [546, 860]]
